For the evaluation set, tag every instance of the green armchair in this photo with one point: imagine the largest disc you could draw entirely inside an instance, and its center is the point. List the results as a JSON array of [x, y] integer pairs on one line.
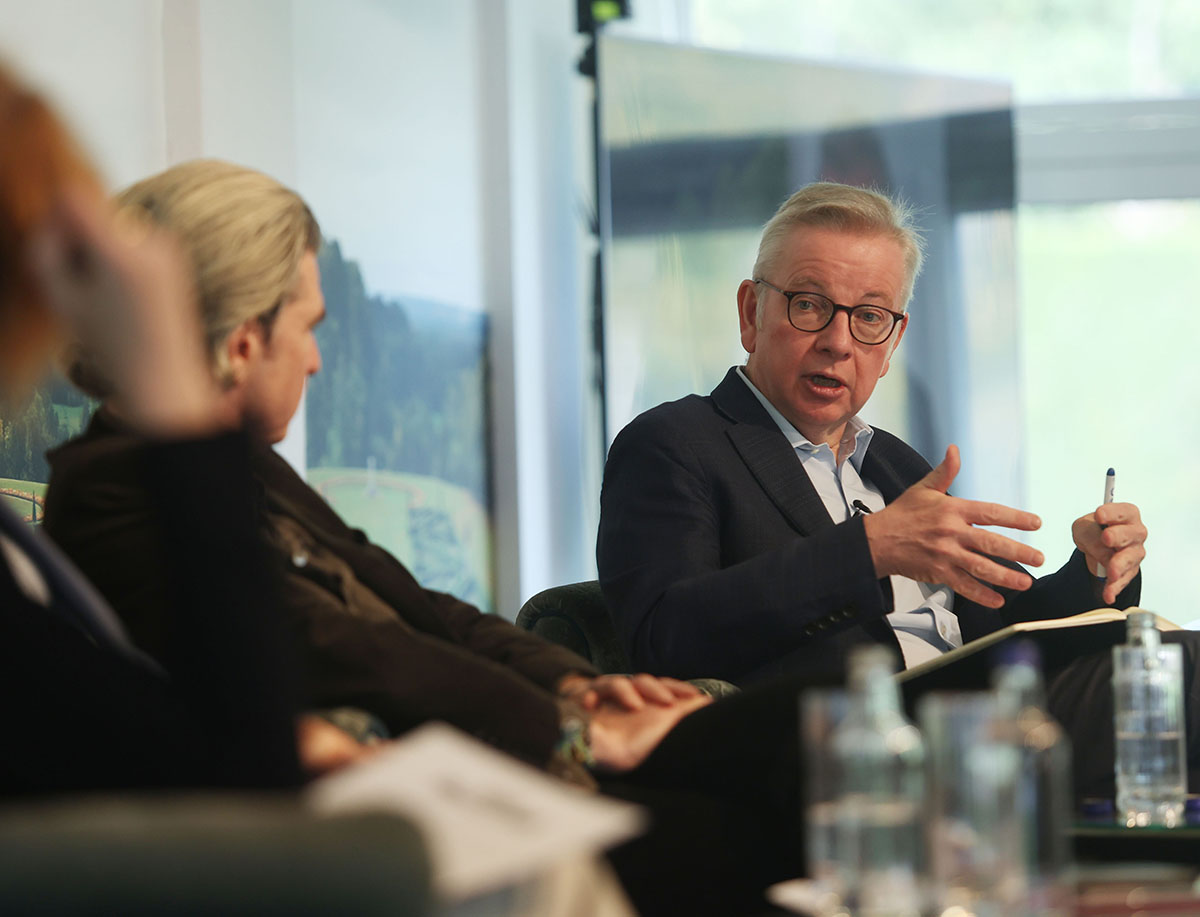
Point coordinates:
[[576, 616], [207, 854]]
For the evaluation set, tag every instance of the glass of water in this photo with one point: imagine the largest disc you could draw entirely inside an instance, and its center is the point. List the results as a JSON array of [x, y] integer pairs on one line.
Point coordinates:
[[821, 712], [973, 826]]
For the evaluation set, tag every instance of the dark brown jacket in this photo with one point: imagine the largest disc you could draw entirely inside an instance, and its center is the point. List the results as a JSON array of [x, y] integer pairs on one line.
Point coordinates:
[[370, 635]]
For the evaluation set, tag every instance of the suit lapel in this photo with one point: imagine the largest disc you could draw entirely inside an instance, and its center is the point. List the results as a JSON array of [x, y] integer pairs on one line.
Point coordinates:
[[769, 456], [879, 467]]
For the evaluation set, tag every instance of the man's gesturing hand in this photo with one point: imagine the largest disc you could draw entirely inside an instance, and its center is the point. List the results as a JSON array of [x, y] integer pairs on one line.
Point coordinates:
[[1113, 536], [932, 537]]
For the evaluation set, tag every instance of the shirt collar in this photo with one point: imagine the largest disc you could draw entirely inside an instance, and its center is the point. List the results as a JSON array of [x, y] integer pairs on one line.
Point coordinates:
[[856, 430]]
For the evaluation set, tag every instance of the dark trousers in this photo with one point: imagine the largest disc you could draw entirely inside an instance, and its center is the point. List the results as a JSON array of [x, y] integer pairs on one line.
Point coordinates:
[[724, 792]]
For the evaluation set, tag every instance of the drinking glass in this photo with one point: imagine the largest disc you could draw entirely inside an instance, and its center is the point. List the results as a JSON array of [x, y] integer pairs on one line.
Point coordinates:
[[973, 828]]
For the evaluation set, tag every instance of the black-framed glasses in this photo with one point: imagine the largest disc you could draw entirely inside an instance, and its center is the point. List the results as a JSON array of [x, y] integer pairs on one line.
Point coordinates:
[[813, 312]]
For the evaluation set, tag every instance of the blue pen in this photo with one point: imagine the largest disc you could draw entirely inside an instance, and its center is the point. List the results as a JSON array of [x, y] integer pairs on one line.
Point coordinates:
[[1110, 483]]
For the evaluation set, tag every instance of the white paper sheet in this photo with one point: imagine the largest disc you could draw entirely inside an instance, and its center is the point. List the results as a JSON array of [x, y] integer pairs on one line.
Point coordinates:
[[489, 821]]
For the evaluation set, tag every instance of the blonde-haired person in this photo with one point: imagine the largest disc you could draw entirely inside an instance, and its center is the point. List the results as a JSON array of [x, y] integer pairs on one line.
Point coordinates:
[[83, 708], [252, 243], [246, 235], [372, 637]]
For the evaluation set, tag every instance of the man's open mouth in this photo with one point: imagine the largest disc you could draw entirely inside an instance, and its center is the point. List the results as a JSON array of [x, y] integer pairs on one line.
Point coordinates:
[[824, 381]]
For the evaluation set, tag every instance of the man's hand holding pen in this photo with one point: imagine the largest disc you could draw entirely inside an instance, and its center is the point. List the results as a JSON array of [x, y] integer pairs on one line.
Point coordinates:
[[1114, 537]]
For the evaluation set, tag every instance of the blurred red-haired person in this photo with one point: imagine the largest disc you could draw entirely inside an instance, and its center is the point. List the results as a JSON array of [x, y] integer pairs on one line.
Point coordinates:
[[82, 707]]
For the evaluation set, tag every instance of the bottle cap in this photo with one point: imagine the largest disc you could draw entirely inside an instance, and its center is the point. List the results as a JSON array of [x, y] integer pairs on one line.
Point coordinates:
[[870, 658], [1191, 808], [1139, 618], [1019, 652], [1097, 808], [1141, 628]]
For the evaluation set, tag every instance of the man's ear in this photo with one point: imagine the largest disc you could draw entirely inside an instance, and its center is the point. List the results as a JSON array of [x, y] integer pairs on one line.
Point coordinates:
[[747, 298], [243, 349], [887, 363]]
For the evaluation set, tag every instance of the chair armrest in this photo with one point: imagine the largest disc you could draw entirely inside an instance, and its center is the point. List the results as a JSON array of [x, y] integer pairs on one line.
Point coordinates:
[[207, 854]]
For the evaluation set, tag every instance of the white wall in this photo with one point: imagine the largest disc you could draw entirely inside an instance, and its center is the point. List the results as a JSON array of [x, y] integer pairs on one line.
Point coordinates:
[[537, 277], [101, 64], [388, 135]]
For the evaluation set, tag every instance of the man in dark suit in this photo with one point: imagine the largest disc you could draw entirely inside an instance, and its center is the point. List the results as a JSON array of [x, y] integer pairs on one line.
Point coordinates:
[[766, 529]]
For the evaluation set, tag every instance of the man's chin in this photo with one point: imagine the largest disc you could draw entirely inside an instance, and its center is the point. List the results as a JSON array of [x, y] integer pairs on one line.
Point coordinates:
[[818, 420], [820, 411]]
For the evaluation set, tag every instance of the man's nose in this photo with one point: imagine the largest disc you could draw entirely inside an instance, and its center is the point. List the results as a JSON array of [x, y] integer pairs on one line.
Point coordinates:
[[836, 337]]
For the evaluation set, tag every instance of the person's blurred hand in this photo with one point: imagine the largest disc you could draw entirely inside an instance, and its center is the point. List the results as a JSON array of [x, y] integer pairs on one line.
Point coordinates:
[[323, 747], [124, 291], [627, 692], [621, 739]]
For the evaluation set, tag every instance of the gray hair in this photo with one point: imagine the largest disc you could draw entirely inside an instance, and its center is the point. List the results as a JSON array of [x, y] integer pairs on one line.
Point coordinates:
[[831, 205]]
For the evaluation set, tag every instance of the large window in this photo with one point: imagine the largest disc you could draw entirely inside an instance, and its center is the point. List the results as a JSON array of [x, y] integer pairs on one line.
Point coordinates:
[[1111, 375], [1049, 50]]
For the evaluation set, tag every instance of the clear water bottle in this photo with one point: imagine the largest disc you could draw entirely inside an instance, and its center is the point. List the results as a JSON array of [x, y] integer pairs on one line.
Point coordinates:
[[1043, 787], [1148, 720], [880, 759]]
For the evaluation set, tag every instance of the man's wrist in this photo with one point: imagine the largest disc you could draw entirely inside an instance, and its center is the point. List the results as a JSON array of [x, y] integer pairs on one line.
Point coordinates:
[[571, 758], [575, 738], [571, 684]]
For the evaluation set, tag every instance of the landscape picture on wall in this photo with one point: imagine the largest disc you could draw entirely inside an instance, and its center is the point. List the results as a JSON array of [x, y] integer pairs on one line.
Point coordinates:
[[396, 432], [397, 436]]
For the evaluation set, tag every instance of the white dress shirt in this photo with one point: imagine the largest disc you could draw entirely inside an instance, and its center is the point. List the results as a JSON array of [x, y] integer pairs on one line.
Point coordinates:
[[924, 618]]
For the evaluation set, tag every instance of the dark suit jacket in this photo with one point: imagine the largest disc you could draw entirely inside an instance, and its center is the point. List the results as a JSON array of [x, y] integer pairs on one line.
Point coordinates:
[[79, 716], [717, 556], [369, 634]]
